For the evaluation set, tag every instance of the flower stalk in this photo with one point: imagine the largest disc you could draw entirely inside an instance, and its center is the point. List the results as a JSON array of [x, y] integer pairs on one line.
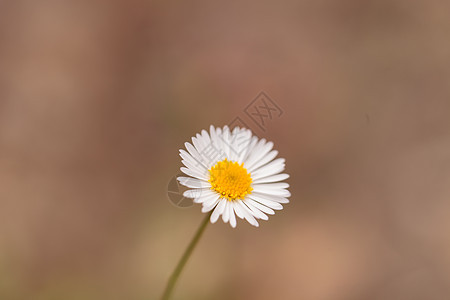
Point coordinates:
[[187, 253]]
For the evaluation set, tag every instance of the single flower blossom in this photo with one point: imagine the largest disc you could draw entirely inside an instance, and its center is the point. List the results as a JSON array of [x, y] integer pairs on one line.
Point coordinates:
[[234, 173]]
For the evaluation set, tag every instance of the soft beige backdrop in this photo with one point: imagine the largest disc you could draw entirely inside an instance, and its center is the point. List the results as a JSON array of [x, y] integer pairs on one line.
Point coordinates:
[[96, 98]]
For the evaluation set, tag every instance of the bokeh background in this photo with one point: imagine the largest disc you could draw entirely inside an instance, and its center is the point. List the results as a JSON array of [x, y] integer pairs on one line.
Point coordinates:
[[96, 98]]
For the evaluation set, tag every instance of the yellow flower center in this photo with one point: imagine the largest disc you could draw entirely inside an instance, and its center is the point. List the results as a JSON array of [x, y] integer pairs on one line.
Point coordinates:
[[230, 179]]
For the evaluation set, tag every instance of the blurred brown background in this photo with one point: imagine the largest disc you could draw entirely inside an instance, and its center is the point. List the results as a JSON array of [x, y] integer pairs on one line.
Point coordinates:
[[96, 98]]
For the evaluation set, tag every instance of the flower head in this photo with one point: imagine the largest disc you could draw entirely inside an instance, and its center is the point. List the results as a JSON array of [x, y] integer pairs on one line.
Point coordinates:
[[234, 174]]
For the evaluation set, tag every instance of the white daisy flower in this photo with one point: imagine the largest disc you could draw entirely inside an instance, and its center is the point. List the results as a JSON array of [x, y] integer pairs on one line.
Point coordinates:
[[234, 173]]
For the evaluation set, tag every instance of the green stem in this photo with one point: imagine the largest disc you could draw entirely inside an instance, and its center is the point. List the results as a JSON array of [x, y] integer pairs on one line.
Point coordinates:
[[187, 253]]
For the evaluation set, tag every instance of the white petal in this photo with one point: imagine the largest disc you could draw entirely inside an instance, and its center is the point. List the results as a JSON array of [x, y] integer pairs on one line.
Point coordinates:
[[276, 185], [226, 141], [239, 141], [197, 141], [206, 196], [193, 182], [232, 216], [261, 149], [218, 210], [273, 178], [233, 145], [216, 151], [261, 207], [215, 137], [247, 152], [194, 173], [248, 215], [279, 199], [269, 191], [275, 198], [191, 160], [202, 139], [194, 153], [256, 212], [226, 212], [268, 203], [244, 141], [206, 137], [272, 192], [264, 160], [238, 210], [210, 204], [195, 167], [211, 129], [271, 168], [255, 147], [195, 193]]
